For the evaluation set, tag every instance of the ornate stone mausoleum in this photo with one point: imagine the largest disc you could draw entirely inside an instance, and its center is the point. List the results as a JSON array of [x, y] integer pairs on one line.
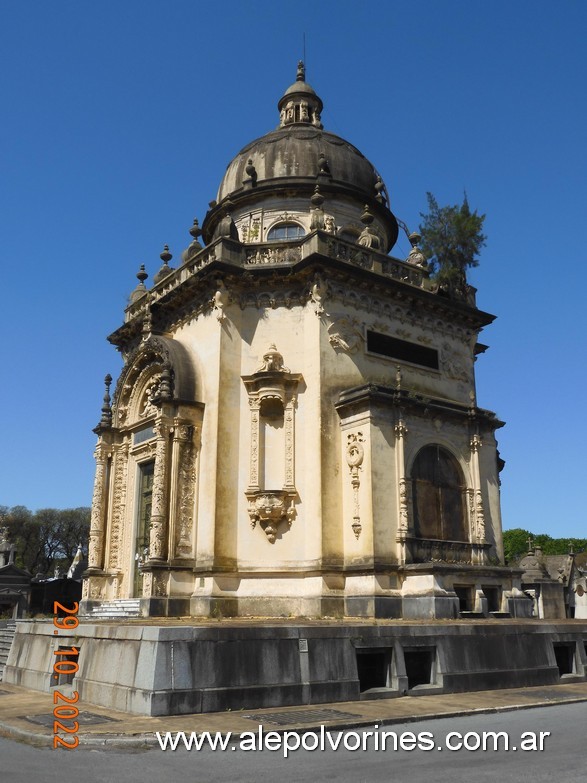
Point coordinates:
[[295, 431]]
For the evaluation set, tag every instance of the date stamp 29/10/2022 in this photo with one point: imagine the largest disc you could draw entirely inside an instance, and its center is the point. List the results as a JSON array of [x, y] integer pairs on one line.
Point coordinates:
[[65, 666]]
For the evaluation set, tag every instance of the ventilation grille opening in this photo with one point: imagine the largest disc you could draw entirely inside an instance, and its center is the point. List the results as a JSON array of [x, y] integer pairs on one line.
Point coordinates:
[[465, 596], [402, 350], [419, 667], [493, 595], [373, 668], [565, 658]]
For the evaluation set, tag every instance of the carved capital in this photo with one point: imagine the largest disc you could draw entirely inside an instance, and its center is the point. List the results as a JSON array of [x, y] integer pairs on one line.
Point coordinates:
[[476, 443]]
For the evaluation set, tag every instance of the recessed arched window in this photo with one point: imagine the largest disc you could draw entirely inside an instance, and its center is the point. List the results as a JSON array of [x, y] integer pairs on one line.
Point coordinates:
[[438, 494], [285, 231]]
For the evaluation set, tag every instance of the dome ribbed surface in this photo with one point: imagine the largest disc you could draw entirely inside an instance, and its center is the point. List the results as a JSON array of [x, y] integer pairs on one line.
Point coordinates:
[[292, 153]]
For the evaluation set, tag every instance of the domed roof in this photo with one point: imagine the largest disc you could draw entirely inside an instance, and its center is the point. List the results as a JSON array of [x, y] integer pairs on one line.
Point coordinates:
[[290, 161], [301, 150]]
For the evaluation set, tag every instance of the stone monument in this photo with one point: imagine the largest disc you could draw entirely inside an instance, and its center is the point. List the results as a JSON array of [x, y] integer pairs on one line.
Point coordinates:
[[295, 434], [295, 430]]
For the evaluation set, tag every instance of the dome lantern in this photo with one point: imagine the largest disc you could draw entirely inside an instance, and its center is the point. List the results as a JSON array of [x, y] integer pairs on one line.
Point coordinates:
[[299, 103]]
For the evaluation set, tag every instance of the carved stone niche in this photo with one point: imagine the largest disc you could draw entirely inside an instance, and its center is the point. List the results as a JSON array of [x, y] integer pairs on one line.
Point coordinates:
[[271, 493]]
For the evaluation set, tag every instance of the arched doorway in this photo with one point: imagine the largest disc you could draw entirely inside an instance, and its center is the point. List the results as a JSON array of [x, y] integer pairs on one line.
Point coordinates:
[[438, 495]]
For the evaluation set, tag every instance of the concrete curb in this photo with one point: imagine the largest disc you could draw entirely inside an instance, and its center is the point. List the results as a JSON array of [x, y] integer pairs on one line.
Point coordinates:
[[149, 741]]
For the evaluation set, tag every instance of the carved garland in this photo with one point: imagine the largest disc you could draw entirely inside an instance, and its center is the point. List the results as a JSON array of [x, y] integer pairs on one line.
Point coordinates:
[[157, 535], [187, 488], [118, 503], [354, 457], [97, 517]]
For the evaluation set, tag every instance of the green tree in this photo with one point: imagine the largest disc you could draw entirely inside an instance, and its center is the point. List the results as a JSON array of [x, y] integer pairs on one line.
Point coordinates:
[[515, 544], [452, 238], [46, 538]]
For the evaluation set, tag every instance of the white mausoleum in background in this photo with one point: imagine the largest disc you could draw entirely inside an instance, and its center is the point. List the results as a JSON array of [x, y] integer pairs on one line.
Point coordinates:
[[295, 431]]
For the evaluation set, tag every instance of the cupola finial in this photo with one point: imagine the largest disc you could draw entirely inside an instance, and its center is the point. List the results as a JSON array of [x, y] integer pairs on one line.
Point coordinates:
[[299, 103]]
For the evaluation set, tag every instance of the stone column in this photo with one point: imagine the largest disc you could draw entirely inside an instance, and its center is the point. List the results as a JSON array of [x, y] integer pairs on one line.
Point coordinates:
[[254, 463], [289, 413], [181, 500], [403, 486], [97, 517], [118, 505], [158, 532], [400, 432]]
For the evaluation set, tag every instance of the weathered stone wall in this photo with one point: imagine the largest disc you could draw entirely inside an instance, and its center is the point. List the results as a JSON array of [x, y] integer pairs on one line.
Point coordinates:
[[155, 670]]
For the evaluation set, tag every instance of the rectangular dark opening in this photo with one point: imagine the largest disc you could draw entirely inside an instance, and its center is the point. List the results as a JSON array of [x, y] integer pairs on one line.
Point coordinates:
[[67, 663], [419, 665], [493, 595], [465, 596], [402, 350], [373, 668], [565, 658]]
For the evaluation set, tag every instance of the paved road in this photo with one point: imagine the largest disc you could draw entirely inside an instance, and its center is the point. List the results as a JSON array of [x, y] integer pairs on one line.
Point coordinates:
[[564, 758]]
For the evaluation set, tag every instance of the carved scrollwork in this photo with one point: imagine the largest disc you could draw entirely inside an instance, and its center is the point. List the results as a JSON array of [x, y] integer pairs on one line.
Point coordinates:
[[187, 488], [158, 532], [220, 300], [318, 294], [354, 457], [263, 256], [118, 504], [452, 366], [269, 509], [346, 334]]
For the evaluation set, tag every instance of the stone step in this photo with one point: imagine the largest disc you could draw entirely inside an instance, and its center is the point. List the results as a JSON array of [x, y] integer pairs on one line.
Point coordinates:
[[119, 607], [6, 637]]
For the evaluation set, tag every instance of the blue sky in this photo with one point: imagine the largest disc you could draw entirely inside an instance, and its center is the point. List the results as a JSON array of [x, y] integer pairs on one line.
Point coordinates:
[[119, 118]]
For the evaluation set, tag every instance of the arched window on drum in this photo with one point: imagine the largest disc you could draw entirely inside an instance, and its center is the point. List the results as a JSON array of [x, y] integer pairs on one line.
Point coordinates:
[[283, 232]]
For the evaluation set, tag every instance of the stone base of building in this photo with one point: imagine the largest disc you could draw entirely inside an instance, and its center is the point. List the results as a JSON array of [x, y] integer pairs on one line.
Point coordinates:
[[418, 591], [171, 670]]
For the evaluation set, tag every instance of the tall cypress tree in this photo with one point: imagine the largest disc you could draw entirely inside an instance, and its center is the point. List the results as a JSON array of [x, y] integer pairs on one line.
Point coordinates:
[[452, 238]]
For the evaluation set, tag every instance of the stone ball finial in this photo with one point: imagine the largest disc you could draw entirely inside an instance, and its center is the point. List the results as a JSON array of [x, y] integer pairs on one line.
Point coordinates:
[[165, 270], [106, 411], [195, 230], [141, 289], [251, 172], [416, 257], [367, 217], [317, 198], [165, 256], [195, 246]]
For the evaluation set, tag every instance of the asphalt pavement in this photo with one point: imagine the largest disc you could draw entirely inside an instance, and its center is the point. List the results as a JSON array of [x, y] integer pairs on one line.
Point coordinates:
[[28, 715]]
